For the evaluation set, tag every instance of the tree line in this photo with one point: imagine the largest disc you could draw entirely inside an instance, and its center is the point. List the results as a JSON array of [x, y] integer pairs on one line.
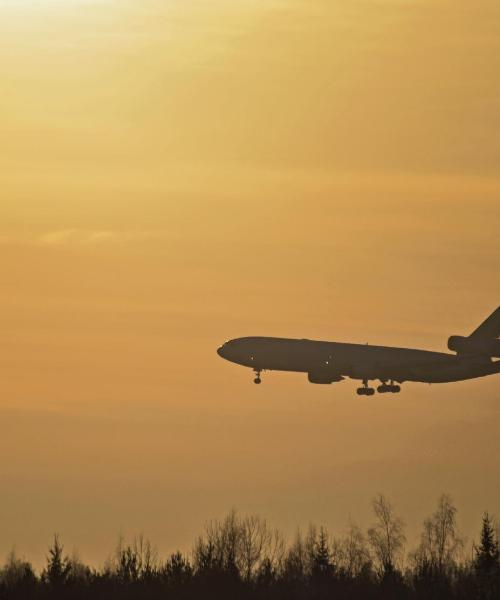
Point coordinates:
[[243, 557]]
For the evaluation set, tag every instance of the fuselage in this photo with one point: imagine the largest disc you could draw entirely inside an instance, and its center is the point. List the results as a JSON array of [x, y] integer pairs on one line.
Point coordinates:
[[326, 362]]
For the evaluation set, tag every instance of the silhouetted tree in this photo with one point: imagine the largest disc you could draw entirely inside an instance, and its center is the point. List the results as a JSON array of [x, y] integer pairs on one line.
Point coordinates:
[[321, 559], [137, 561], [296, 561], [18, 574], [440, 540], [351, 553], [487, 561], [239, 546], [386, 536], [177, 571], [487, 554], [267, 574], [257, 544], [435, 560], [79, 575], [58, 568], [243, 558], [215, 551]]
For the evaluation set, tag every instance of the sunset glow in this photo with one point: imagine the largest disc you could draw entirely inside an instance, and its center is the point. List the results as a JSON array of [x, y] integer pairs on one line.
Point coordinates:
[[175, 174]]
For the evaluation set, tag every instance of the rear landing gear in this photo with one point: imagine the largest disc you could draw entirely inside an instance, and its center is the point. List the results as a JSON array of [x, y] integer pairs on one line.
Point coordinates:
[[365, 390], [257, 379], [389, 388]]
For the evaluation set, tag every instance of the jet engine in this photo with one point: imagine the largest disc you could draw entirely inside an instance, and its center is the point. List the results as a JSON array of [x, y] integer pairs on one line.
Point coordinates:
[[323, 377], [466, 345]]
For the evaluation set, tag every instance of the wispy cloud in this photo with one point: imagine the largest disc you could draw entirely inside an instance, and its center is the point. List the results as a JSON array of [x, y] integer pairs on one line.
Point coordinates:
[[92, 236], [79, 237]]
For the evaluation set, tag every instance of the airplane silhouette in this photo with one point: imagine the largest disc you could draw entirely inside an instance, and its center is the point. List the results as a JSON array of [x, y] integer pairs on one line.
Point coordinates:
[[329, 362]]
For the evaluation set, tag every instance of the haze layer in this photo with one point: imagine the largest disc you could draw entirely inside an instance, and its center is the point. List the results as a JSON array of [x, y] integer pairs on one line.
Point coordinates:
[[175, 173]]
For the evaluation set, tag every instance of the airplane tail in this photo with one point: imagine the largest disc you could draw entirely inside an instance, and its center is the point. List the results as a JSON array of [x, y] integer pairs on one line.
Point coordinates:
[[489, 329], [482, 341]]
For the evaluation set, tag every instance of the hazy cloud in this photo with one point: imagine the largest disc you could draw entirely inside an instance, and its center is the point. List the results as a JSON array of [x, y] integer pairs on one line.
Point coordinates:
[[86, 236], [78, 237]]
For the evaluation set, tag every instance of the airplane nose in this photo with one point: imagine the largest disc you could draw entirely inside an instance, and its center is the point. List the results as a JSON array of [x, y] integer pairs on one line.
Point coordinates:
[[220, 351]]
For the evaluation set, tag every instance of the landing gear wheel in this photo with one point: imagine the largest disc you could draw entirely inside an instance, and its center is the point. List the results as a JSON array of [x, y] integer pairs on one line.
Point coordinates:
[[365, 391], [388, 388], [257, 379]]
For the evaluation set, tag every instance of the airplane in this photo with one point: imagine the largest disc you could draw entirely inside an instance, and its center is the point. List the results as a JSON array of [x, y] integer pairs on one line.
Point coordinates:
[[330, 362]]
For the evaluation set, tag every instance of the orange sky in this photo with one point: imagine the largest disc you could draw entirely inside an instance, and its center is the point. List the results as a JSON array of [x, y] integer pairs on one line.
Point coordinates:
[[178, 172]]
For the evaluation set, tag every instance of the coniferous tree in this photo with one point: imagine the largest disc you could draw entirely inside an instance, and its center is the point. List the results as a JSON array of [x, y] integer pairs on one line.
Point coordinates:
[[177, 570], [488, 554], [321, 560], [240, 557], [58, 567], [487, 561]]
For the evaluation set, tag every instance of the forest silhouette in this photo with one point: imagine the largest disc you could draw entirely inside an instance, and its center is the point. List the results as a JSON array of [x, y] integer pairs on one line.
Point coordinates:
[[244, 557]]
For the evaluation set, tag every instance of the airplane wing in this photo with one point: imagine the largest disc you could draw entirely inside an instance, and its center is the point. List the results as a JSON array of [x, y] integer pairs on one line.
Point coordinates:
[[419, 369]]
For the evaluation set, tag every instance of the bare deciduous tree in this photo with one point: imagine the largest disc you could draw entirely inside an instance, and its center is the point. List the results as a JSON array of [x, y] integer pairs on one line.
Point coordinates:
[[241, 544], [135, 561], [351, 552], [296, 560], [386, 536], [440, 541], [255, 539]]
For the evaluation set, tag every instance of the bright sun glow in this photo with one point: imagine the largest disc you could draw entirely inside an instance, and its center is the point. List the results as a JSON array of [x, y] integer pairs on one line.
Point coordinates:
[[39, 5]]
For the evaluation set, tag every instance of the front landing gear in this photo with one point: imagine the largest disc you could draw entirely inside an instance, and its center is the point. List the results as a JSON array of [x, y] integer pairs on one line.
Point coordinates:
[[257, 379], [365, 390]]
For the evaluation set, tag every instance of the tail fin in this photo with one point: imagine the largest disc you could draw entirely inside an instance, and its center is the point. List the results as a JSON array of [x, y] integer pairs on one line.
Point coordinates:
[[482, 342], [489, 329]]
